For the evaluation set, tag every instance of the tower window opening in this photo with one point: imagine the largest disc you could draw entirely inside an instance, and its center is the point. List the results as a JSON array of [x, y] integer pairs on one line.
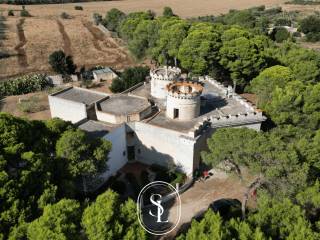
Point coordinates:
[[175, 113]]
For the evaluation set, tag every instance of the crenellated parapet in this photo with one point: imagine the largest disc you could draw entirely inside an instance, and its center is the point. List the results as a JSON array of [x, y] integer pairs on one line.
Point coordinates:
[[226, 93], [166, 73], [160, 77], [183, 100], [184, 89], [226, 121]]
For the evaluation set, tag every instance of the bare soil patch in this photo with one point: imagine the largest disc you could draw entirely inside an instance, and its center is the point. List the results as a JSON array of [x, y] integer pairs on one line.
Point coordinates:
[[65, 37], [45, 32], [22, 58], [11, 105]]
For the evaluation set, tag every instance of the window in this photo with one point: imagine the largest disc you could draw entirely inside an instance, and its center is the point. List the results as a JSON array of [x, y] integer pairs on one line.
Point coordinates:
[[175, 113]]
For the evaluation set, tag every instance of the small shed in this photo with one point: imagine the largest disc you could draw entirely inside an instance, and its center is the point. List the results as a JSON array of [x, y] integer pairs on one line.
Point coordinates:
[[104, 74], [55, 80]]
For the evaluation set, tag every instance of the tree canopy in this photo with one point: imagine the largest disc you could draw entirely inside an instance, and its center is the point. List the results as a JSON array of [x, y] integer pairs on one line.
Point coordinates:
[[61, 63]]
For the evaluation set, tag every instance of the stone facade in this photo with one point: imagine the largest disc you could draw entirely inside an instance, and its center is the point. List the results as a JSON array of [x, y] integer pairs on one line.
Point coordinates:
[[164, 121], [183, 100], [160, 78]]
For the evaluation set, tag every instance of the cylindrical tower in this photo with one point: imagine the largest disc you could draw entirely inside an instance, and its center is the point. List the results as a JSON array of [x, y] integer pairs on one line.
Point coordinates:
[[160, 78], [183, 100]]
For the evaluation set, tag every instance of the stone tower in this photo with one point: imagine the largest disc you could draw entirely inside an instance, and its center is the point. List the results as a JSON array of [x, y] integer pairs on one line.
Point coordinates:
[[183, 100], [160, 78]]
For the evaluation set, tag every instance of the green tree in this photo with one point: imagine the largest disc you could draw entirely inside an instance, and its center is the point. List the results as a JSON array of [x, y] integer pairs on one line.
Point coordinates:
[[199, 51], [130, 77], [113, 19], [97, 18], [311, 107], [280, 34], [82, 155], [171, 35], [242, 57], [268, 80], [293, 225], [61, 63], [144, 38], [286, 105], [212, 226], [129, 25], [58, 221], [107, 218], [310, 24], [167, 12], [306, 71]]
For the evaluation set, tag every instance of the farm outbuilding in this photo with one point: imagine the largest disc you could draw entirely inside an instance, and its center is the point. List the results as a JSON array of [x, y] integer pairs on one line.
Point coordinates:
[[104, 74]]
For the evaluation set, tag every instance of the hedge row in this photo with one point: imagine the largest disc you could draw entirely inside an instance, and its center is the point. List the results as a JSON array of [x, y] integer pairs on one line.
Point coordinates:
[[24, 84]]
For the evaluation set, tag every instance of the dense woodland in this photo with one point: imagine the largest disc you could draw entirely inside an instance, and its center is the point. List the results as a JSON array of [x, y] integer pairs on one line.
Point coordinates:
[[43, 163]]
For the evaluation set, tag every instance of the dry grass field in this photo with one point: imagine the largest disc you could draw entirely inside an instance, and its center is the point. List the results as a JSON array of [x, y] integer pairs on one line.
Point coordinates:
[[29, 41]]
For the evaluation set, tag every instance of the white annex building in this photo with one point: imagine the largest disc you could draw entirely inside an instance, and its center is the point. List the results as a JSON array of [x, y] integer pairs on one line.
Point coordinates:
[[159, 121]]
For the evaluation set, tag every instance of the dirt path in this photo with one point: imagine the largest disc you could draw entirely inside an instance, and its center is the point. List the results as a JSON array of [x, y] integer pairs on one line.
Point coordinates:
[[197, 199], [65, 38], [22, 57]]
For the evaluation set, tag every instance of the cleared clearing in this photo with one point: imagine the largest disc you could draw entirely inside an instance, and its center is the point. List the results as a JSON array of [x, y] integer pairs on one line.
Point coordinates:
[[29, 41]]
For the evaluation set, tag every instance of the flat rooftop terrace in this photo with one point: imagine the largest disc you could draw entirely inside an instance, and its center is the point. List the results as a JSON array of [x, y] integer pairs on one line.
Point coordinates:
[[123, 104], [215, 105], [97, 129], [80, 95]]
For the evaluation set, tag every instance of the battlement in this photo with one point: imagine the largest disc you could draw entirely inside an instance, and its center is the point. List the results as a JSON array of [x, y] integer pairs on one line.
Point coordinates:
[[166, 73], [226, 93], [184, 89], [226, 121]]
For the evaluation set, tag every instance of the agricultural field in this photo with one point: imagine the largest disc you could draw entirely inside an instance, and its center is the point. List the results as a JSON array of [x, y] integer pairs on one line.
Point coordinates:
[[29, 41]]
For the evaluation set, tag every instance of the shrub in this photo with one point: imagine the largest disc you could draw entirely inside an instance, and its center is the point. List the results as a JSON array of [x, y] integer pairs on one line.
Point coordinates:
[[24, 84], [61, 63], [10, 12], [179, 178], [296, 34], [310, 24], [281, 34], [313, 37], [130, 77], [97, 18], [78, 8], [167, 12], [25, 13], [65, 15]]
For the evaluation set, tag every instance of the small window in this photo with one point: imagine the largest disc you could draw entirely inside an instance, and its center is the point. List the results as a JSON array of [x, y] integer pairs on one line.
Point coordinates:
[[175, 113], [124, 153], [139, 151]]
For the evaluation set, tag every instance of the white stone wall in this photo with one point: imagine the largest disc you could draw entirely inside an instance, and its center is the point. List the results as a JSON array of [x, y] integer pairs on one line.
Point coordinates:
[[159, 145], [104, 76], [158, 88], [118, 119], [188, 108], [118, 154], [106, 117], [67, 110]]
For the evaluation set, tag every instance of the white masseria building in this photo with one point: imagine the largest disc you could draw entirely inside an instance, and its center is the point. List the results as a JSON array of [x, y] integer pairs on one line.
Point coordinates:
[[163, 120]]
